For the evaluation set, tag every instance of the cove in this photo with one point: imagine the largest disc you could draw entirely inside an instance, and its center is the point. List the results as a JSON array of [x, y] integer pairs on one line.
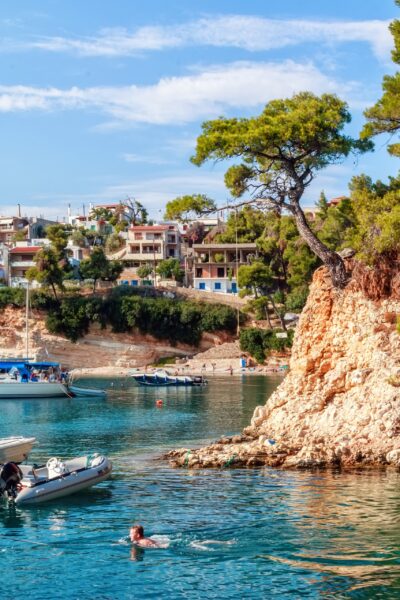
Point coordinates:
[[230, 533]]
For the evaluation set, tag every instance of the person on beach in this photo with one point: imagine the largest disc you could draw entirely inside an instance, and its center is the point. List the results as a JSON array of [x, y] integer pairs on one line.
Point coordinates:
[[136, 535]]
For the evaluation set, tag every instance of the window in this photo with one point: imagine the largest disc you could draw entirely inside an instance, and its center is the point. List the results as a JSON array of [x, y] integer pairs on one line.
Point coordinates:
[[171, 252], [220, 271], [202, 286], [134, 282], [199, 272], [217, 285], [138, 236]]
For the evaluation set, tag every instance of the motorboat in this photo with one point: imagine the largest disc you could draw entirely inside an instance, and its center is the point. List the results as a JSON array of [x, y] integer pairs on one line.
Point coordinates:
[[77, 390], [15, 448], [30, 484], [163, 378]]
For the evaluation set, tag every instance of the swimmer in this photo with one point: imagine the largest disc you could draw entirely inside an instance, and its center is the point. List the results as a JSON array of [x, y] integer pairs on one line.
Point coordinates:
[[136, 535]]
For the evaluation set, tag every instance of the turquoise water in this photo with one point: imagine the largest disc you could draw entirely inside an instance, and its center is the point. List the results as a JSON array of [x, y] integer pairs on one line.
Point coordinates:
[[230, 533]]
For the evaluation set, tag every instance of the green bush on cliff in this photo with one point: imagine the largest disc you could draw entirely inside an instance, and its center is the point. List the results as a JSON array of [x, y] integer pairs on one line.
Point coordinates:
[[70, 318], [260, 342], [164, 318], [12, 297]]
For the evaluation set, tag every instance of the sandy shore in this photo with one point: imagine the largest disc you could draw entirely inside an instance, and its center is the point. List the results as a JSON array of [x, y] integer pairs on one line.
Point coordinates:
[[216, 368]]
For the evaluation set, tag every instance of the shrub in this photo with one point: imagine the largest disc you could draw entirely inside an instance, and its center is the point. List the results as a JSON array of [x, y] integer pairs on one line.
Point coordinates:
[[70, 318], [12, 296], [260, 342], [218, 316]]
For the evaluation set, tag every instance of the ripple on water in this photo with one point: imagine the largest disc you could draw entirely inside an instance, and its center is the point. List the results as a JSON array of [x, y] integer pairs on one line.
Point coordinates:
[[228, 534]]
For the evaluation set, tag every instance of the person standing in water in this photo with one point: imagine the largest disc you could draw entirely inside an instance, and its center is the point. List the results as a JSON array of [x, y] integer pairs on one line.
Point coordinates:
[[136, 535]]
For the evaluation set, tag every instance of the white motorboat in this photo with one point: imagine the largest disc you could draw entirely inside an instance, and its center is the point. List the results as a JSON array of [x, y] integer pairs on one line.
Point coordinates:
[[25, 484], [15, 448]]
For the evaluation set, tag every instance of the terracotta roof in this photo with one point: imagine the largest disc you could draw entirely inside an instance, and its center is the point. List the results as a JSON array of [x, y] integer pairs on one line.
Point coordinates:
[[25, 250], [108, 205], [149, 227]]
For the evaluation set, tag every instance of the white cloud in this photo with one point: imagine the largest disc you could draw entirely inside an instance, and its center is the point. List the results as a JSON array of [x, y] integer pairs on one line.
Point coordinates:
[[154, 193], [240, 31], [145, 159], [209, 93]]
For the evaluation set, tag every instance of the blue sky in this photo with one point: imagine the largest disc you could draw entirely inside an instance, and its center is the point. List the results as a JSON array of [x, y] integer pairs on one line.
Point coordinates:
[[100, 100]]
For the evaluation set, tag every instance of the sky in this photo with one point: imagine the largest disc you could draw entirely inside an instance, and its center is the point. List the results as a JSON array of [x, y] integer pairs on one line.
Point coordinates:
[[100, 100]]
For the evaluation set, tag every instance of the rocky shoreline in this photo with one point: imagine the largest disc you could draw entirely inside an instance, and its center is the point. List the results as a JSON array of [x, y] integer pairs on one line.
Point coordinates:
[[339, 406]]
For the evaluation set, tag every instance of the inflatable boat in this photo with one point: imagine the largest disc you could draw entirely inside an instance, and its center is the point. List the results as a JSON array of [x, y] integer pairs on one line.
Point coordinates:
[[25, 484]]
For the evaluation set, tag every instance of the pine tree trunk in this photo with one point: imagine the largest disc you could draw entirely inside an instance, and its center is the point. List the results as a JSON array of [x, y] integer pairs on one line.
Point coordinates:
[[331, 259]]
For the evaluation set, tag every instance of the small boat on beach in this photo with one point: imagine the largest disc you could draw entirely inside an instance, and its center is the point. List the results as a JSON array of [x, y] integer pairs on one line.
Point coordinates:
[[163, 378], [15, 448], [27, 484]]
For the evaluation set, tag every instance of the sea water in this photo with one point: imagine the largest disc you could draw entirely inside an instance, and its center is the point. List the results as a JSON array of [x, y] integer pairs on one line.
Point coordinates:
[[260, 533]]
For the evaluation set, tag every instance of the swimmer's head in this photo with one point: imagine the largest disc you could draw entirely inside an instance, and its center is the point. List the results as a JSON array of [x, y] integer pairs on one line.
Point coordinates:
[[136, 533]]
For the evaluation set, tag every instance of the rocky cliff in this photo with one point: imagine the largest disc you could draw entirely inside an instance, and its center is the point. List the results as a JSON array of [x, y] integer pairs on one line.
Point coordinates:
[[340, 402], [100, 348]]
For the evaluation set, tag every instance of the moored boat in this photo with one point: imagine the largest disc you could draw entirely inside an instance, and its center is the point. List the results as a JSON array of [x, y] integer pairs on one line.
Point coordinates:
[[23, 378], [77, 390], [163, 378], [26, 484], [15, 448]]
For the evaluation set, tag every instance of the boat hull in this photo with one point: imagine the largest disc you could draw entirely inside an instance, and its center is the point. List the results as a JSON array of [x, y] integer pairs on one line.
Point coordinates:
[[32, 389], [15, 449], [81, 391], [64, 485]]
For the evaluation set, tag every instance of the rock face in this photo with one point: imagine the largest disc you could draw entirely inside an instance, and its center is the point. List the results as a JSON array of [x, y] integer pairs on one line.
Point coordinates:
[[100, 348], [340, 402]]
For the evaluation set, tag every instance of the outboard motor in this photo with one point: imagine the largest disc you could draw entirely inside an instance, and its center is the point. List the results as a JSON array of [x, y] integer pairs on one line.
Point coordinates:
[[10, 476]]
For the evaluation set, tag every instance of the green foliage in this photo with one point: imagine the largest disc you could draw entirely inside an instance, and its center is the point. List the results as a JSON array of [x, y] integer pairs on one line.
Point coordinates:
[[97, 266], [185, 208], [170, 269], [217, 316], [70, 318], [125, 310], [297, 298], [376, 228], [260, 342], [114, 242], [19, 236], [384, 116], [12, 296], [291, 138], [78, 238], [49, 269], [145, 271], [255, 278]]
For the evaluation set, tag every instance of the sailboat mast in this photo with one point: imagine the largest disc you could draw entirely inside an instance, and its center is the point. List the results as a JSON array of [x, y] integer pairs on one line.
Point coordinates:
[[27, 321]]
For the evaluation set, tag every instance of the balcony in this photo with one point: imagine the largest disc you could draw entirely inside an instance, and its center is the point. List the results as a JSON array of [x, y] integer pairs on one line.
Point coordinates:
[[22, 263]]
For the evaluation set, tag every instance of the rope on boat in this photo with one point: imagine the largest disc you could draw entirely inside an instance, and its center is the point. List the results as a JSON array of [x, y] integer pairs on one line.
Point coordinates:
[[229, 461]]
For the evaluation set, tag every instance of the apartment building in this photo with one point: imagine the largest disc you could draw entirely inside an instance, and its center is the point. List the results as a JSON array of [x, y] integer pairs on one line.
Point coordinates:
[[148, 244], [215, 266], [10, 226], [20, 259]]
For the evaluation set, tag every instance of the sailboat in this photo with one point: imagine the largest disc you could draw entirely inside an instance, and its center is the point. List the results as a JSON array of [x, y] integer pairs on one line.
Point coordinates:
[[24, 378]]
